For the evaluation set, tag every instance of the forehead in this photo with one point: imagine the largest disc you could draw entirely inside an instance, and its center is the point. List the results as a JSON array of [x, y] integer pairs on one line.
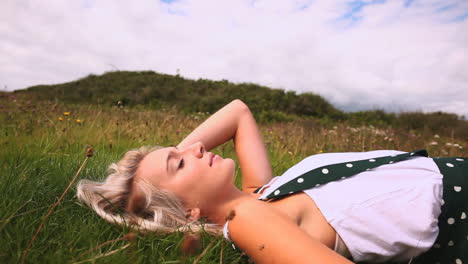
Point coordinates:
[[153, 165]]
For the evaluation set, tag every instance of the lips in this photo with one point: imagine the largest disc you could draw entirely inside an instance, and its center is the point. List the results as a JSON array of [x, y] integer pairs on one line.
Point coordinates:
[[211, 158]]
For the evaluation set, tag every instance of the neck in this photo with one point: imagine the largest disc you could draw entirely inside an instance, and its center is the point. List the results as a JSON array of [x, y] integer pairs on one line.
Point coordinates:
[[221, 208]]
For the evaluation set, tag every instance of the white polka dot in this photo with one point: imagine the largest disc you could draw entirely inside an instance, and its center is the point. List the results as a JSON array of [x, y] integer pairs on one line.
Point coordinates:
[[390, 162], [372, 160], [457, 188], [290, 192], [343, 177], [450, 243], [458, 261], [436, 245], [317, 185], [449, 165], [458, 159], [325, 171], [367, 169], [451, 221], [277, 192], [442, 201], [349, 165], [411, 154], [300, 180], [463, 215], [234, 247]]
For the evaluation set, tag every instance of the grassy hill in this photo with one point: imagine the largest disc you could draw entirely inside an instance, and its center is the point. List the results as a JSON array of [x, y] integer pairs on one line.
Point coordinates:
[[159, 91]]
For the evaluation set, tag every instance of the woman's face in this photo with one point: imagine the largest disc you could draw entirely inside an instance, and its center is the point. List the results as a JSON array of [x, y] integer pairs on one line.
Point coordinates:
[[192, 174]]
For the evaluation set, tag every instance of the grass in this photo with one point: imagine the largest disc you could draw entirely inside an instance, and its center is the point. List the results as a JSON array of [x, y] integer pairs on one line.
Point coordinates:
[[40, 154]]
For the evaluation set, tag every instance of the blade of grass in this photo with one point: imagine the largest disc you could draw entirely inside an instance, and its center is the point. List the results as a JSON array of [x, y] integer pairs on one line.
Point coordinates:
[[13, 215]]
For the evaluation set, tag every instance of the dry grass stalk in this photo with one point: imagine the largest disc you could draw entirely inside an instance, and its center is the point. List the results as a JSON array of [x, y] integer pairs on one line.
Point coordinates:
[[129, 237], [103, 255], [204, 251], [221, 255], [89, 153]]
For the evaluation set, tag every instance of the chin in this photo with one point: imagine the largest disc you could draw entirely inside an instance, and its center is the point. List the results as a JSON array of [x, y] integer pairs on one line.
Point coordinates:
[[232, 163], [229, 166]]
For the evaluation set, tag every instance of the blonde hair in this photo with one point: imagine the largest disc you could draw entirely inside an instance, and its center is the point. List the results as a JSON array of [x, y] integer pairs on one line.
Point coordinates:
[[160, 211]]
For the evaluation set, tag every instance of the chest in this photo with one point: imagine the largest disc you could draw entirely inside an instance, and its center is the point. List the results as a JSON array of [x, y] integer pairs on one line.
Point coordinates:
[[303, 211]]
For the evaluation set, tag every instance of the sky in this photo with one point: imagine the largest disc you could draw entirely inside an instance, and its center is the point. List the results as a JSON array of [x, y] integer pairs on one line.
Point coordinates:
[[408, 55]]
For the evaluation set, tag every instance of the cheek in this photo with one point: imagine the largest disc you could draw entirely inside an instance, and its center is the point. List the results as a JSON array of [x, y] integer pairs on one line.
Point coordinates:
[[190, 179], [181, 183], [192, 170]]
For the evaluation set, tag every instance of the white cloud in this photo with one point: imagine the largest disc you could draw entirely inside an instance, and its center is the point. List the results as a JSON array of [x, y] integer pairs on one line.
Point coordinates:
[[383, 55]]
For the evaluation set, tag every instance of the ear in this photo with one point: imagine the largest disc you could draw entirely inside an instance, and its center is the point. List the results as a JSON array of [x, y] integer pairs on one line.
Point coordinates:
[[136, 204], [192, 214]]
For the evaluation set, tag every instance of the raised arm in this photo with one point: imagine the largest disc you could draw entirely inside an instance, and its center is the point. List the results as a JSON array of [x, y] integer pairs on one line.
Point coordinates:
[[235, 121], [269, 237]]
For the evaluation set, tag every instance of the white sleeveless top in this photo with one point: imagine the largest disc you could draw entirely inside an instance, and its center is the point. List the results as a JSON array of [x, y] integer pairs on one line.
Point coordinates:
[[387, 213]]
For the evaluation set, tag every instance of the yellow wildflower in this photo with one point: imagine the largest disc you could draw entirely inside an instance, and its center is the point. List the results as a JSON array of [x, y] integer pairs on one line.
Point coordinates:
[[60, 118], [66, 113], [79, 121]]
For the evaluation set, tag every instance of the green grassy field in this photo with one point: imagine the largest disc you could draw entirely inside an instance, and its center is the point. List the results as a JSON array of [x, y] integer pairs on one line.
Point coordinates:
[[43, 143]]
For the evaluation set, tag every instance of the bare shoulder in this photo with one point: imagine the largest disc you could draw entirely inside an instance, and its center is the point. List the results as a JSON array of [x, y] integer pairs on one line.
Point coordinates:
[[269, 237]]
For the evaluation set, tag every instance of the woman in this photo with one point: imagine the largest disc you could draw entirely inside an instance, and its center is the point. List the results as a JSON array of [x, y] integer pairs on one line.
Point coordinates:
[[389, 212]]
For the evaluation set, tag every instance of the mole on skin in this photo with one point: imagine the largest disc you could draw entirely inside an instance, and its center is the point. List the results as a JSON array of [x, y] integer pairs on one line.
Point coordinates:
[[231, 215]]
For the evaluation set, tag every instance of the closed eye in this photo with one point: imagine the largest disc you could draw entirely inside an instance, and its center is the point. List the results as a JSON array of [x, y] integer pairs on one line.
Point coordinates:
[[181, 164]]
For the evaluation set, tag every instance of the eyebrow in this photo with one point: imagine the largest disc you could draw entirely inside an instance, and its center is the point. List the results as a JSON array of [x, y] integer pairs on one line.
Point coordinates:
[[167, 161], [169, 157]]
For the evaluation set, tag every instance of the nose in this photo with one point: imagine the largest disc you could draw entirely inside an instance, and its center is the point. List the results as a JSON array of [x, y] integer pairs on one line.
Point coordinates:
[[198, 149]]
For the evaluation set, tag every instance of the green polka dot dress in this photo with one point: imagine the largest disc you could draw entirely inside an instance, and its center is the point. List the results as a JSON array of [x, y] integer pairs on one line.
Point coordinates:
[[451, 245]]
